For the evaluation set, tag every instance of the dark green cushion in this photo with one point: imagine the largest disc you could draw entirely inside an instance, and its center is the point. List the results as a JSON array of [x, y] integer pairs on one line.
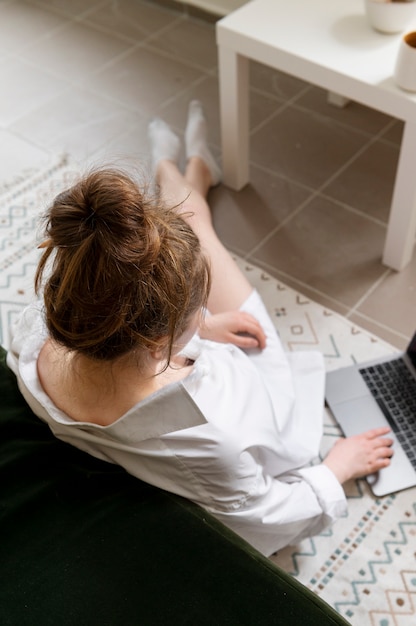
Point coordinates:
[[83, 543]]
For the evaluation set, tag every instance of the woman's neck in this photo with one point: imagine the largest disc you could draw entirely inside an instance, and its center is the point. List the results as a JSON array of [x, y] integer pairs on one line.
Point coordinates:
[[101, 392]]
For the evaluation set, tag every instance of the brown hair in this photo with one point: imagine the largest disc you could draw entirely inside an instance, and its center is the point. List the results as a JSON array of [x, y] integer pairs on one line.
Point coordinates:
[[126, 270]]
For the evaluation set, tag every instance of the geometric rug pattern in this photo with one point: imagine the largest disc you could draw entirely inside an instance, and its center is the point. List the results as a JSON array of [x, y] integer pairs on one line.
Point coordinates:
[[365, 566]]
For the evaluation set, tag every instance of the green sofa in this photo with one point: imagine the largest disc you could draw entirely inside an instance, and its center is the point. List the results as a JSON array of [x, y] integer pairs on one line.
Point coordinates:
[[85, 544]]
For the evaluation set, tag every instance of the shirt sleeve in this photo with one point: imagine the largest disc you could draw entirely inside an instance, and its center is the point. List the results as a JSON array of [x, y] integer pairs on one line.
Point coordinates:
[[285, 510], [27, 332]]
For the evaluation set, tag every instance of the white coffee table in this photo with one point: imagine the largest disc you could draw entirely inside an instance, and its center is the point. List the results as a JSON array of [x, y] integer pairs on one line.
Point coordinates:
[[330, 44]]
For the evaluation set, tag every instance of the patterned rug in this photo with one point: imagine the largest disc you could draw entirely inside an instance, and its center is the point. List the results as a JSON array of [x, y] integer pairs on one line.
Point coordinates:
[[365, 565]]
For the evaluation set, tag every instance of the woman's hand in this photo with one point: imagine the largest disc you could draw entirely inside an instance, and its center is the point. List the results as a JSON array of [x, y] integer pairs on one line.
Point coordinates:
[[236, 327], [360, 455]]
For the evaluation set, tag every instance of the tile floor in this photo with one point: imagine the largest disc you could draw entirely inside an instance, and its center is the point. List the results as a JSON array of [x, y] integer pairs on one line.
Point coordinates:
[[86, 76]]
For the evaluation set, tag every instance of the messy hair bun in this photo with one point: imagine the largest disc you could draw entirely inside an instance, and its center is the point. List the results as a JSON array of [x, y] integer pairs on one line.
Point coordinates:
[[126, 271]]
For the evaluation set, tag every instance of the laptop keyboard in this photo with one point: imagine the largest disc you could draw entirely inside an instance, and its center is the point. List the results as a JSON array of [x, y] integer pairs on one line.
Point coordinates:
[[394, 389]]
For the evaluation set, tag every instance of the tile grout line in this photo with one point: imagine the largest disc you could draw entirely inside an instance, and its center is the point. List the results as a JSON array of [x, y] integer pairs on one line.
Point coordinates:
[[318, 192], [352, 209], [378, 135], [285, 104], [302, 285], [284, 276], [376, 322], [355, 156], [283, 223], [369, 291], [133, 45], [83, 83]]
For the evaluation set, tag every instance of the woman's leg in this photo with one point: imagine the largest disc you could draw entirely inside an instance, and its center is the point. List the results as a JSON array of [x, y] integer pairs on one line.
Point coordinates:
[[230, 288]]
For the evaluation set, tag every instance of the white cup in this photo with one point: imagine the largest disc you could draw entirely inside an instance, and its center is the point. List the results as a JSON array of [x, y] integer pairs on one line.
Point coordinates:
[[405, 70], [390, 17]]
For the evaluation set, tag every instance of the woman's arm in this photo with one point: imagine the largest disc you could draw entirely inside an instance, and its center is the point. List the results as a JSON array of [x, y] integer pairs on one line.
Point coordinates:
[[284, 511]]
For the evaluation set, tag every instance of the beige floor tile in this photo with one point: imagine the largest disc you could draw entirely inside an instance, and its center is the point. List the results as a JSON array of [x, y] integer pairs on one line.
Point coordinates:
[[275, 83], [129, 151], [76, 52], [27, 89], [356, 115], [395, 133], [262, 108], [206, 90], [71, 8], [77, 121], [304, 147], [132, 19], [23, 23], [19, 155], [393, 302], [329, 248], [367, 184], [144, 80], [191, 41], [243, 219], [175, 111]]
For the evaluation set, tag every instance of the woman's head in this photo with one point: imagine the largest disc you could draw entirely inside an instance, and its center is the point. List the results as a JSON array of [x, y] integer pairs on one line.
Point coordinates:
[[127, 273]]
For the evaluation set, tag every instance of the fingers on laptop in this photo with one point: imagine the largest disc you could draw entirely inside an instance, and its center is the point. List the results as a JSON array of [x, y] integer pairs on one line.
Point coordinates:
[[360, 455]]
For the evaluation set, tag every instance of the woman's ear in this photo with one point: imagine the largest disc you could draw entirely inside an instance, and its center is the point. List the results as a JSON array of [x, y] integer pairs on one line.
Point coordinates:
[[159, 351]]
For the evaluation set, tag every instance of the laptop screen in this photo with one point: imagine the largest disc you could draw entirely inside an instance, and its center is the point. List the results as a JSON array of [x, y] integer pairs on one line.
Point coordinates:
[[411, 351]]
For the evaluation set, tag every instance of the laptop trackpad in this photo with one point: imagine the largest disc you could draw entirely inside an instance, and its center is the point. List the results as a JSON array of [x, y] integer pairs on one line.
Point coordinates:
[[358, 415]]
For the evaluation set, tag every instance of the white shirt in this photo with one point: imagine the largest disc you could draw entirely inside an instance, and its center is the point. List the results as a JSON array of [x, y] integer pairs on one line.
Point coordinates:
[[236, 436]]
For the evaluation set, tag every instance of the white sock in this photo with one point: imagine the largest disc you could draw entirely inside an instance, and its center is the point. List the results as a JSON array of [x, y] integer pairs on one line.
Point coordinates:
[[164, 144], [196, 140]]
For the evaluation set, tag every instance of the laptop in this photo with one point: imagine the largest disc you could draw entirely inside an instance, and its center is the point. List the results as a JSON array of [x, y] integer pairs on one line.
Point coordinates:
[[380, 393]]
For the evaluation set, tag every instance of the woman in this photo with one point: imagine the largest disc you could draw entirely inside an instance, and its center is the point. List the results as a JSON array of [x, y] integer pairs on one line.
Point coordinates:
[[121, 361]]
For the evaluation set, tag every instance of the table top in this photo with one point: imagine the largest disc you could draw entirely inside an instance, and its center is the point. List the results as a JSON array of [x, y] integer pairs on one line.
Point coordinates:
[[326, 42]]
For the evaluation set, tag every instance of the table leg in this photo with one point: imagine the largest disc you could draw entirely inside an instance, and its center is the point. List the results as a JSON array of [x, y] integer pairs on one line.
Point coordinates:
[[234, 112], [401, 228]]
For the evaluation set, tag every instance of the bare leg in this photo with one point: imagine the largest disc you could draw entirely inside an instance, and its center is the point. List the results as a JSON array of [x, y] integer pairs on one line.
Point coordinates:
[[188, 192], [229, 288]]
